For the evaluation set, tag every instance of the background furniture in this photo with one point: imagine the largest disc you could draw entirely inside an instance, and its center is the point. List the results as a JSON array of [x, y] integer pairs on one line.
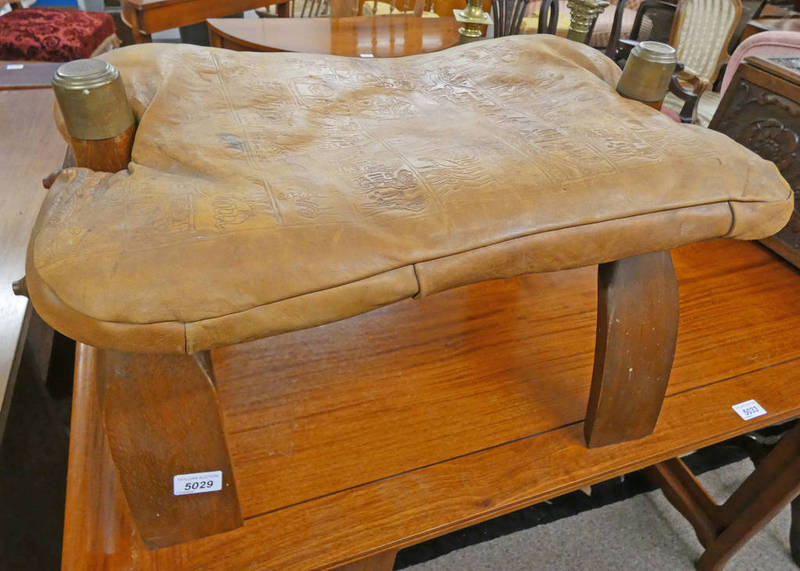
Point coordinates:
[[54, 35], [771, 25], [486, 427], [29, 149], [601, 30], [26, 75], [765, 44], [761, 110], [145, 17], [354, 36], [724, 528], [751, 9], [701, 34], [658, 15]]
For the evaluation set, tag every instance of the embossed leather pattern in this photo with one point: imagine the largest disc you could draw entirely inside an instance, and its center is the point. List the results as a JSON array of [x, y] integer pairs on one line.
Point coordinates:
[[273, 192]]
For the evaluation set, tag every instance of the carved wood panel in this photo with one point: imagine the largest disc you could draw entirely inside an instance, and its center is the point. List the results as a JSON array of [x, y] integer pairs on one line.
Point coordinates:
[[762, 112]]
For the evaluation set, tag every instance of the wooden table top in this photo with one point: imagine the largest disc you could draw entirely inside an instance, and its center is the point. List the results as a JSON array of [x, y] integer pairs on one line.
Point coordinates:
[[426, 416], [776, 24], [26, 75], [30, 148], [145, 17], [379, 36]]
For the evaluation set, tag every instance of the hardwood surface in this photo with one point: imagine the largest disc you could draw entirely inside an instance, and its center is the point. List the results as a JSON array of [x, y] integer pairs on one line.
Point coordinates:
[[33, 75], [379, 36], [362, 436], [144, 17], [770, 25], [30, 147]]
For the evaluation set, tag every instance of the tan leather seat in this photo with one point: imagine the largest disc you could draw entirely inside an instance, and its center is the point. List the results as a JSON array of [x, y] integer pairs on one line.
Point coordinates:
[[273, 192]]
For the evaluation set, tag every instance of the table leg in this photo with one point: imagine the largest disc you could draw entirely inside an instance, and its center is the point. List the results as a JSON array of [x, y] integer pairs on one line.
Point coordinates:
[[637, 328], [723, 529], [133, 20], [380, 562], [162, 419], [284, 10]]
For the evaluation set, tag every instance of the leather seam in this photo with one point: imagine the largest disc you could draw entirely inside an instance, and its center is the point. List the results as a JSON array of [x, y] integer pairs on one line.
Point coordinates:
[[413, 267], [733, 220]]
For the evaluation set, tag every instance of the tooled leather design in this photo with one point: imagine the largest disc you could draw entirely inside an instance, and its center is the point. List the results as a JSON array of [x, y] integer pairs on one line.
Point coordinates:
[[263, 177]]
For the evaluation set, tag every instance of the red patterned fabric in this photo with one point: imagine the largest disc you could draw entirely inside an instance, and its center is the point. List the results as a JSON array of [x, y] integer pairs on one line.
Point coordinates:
[[52, 35]]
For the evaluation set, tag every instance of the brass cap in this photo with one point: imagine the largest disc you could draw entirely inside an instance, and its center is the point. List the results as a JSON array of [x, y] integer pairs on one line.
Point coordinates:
[[647, 72], [656, 52], [84, 74], [92, 99]]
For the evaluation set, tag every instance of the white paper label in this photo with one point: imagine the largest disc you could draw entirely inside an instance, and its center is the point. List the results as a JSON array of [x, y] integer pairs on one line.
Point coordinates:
[[366, 55], [13, 66], [199, 483], [749, 409]]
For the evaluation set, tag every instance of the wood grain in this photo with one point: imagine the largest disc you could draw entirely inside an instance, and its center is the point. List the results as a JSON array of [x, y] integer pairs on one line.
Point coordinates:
[[161, 417], [107, 155], [380, 36], [360, 437], [33, 75], [461, 345], [637, 328], [30, 147], [146, 17]]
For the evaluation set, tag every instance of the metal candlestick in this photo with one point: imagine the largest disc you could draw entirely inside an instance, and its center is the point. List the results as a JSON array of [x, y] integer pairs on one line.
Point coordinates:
[[582, 14], [472, 17]]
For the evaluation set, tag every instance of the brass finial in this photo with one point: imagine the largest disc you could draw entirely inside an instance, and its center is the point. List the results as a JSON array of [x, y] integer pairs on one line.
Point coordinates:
[[582, 14], [473, 17]]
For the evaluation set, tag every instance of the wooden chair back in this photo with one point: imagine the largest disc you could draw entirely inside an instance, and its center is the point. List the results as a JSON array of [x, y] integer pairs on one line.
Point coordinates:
[[309, 8], [701, 33], [548, 17], [661, 16], [507, 16]]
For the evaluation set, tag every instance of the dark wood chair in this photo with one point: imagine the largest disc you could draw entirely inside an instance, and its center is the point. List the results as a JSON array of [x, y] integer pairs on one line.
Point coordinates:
[[507, 16], [659, 13]]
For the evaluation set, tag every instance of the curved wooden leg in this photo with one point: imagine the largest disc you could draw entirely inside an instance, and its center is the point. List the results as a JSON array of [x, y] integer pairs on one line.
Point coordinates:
[[637, 328], [162, 420]]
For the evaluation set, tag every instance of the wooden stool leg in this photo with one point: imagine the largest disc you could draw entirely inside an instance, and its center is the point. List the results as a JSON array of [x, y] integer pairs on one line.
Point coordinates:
[[162, 419], [637, 328]]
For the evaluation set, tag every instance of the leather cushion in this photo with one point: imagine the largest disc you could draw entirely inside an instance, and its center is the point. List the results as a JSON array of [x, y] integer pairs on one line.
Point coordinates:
[[273, 192]]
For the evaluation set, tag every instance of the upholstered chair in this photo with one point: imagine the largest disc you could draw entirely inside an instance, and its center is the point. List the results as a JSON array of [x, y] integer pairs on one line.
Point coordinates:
[[49, 34], [701, 33]]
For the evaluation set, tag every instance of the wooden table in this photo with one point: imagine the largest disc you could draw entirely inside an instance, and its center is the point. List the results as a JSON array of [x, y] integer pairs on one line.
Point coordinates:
[[378, 36], [26, 75], [30, 148], [357, 438], [771, 25], [144, 17]]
